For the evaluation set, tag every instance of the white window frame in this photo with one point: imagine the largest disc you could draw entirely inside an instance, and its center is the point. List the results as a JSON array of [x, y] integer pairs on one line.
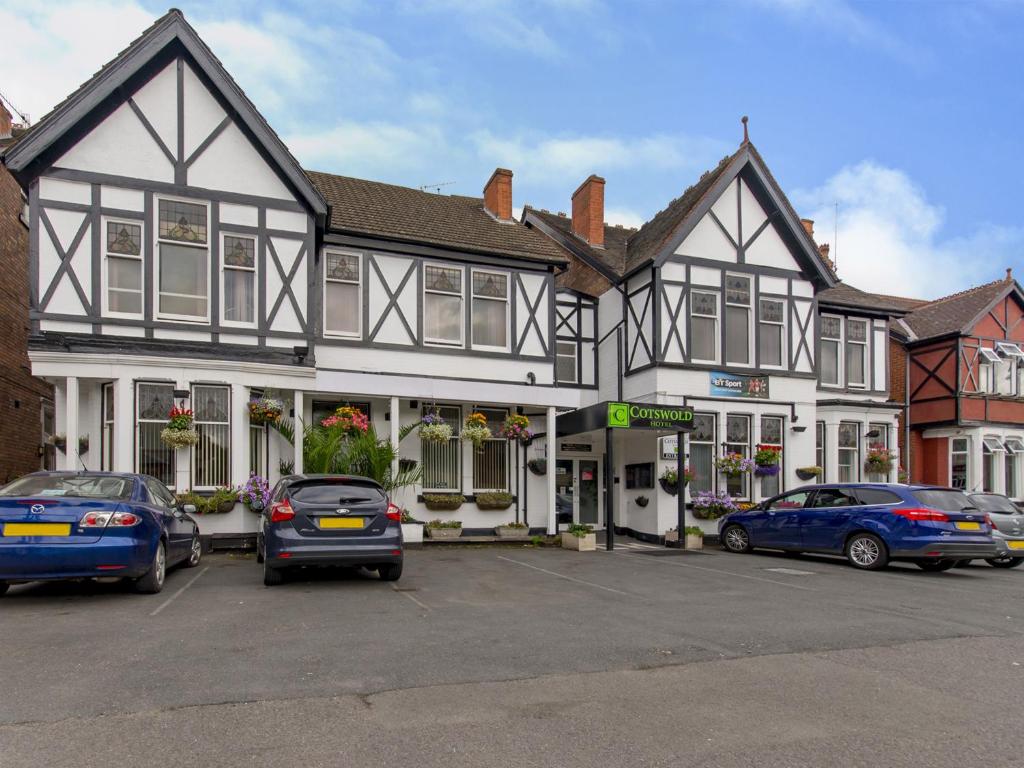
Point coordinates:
[[821, 449], [496, 439], [255, 280], [863, 345], [157, 256], [751, 339], [966, 452], [508, 308], [427, 341], [455, 419], [783, 348], [108, 430], [717, 317], [746, 479], [1009, 349], [575, 361], [840, 354], [105, 290], [857, 449], [198, 424], [712, 447], [358, 333], [137, 420]]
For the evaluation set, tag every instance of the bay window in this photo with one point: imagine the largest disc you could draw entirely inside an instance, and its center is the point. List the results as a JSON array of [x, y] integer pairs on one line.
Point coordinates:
[[153, 402], [211, 456], [991, 448], [856, 352], [490, 460], [771, 331], [107, 428], [182, 260], [490, 310], [737, 319], [849, 452], [238, 261], [1014, 450], [442, 463], [702, 453], [123, 268], [343, 294], [831, 341], [704, 327], [442, 305], [879, 437], [737, 440]]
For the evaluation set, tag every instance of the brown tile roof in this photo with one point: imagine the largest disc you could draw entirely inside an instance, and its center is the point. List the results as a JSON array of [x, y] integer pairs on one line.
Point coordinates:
[[450, 221], [582, 278], [844, 295], [951, 314], [612, 256]]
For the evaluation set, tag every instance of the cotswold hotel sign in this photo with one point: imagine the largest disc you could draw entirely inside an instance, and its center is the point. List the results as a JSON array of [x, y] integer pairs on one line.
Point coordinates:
[[650, 416]]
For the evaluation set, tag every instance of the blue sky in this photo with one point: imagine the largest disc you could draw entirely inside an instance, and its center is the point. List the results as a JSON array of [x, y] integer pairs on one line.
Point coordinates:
[[906, 114]]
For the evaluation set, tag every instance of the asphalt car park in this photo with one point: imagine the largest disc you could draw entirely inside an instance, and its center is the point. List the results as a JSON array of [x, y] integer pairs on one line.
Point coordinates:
[[566, 655]]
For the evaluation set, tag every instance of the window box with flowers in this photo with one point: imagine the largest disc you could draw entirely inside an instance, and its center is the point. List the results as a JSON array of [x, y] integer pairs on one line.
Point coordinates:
[[879, 460], [475, 430], [669, 479], [499, 500], [434, 429], [265, 410], [734, 464], [517, 428], [180, 431], [708, 505], [443, 502], [766, 460]]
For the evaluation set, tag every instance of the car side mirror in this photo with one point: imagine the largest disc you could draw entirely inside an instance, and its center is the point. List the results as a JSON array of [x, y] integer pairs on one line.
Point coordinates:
[[188, 509]]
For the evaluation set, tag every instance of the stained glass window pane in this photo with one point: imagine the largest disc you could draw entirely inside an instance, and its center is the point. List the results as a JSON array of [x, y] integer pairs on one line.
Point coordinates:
[[443, 279], [704, 304], [124, 238], [737, 290], [182, 221], [155, 401], [490, 284], [703, 428], [737, 429], [830, 328], [771, 311], [856, 330], [239, 252], [343, 266]]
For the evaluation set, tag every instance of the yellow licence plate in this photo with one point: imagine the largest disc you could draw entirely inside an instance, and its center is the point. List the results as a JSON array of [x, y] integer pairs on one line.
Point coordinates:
[[1015, 544], [37, 529], [969, 526], [341, 522]]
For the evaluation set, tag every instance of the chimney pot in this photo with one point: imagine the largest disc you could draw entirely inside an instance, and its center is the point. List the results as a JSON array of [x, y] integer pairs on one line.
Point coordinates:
[[808, 226], [498, 194], [588, 211], [1009, 274]]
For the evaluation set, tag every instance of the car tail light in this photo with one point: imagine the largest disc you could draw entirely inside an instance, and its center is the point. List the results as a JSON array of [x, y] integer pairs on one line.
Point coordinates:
[[916, 514], [94, 520], [125, 519], [281, 511], [394, 512], [991, 523]]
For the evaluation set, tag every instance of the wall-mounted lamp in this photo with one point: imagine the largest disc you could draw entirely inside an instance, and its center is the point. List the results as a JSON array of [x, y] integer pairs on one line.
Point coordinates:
[[799, 428], [414, 404], [182, 394], [300, 354], [531, 378], [873, 433]]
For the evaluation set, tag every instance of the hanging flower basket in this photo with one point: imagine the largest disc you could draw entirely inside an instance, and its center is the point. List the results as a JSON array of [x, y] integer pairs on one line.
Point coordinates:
[[180, 430], [538, 466], [255, 494], [347, 420], [734, 464], [808, 473], [711, 506], [434, 429], [475, 430], [517, 427], [669, 480], [265, 410], [879, 460], [642, 501], [60, 442], [766, 470], [766, 460]]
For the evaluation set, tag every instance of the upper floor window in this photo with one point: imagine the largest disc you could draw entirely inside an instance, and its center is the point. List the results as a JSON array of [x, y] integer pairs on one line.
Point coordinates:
[[123, 267], [737, 319], [856, 352], [442, 305], [490, 310], [565, 362], [183, 253], [342, 294], [831, 341], [704, 326], [238, 255], [771, 331]]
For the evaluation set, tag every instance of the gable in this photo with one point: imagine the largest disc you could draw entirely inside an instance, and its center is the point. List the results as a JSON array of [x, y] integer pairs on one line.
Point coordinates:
[[1002, 320]]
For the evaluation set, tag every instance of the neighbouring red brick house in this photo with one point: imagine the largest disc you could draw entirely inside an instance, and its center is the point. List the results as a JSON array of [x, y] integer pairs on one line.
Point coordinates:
[[965, 388], [26, 406]]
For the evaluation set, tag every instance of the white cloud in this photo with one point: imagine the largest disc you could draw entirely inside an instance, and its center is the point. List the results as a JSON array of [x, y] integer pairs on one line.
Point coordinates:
[[369, 149], [627, 217], [891, 237]]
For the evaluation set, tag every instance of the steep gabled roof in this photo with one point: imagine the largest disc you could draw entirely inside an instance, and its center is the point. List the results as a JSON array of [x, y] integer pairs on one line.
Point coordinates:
[[169, 28], [958, 312], [376, 209]]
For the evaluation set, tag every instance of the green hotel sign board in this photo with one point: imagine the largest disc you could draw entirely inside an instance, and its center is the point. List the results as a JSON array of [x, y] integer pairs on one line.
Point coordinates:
[[650, 416]]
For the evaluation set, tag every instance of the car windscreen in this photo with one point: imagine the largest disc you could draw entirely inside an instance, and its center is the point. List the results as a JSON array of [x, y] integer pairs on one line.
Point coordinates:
[[944, 499], [336, 493], [73, 486], [1000, 504]]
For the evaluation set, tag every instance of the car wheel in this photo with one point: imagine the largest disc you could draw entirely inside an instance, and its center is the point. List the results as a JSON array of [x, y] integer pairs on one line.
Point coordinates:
[[153, 581], [4, 586], [196, 553], [736, 539], [390, 572], [259, 550], [867, 552], [995, 562], [934, 566], [271, 576]]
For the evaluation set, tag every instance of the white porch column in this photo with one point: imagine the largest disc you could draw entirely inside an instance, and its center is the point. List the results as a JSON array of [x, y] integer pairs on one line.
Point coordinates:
[[239, 434], [552, 448], [831, 452], [299, 430], [124, 426], [71, 419], [60, 418], [395, 428]]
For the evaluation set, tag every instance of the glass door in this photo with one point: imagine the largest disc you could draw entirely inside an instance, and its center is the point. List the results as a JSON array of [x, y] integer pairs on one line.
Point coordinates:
[[578, 492], [589, 492]]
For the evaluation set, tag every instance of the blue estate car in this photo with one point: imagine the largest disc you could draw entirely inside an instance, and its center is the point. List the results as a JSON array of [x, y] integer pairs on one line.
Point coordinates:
[[79, 525], [869, 523]]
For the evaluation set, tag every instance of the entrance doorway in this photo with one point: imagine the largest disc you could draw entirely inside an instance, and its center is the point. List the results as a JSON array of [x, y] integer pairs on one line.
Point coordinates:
[[578, 499]]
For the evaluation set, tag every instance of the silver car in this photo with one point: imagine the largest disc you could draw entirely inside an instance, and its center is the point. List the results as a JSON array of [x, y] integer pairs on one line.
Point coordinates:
[[1007, 528]]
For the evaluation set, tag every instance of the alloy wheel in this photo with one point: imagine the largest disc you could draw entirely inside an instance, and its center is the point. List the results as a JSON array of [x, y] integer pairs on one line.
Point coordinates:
[[864, 552], [160, 565], [736, 539], [197, 551]]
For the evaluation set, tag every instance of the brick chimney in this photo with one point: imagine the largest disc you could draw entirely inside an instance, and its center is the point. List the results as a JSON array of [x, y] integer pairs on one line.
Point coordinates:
[[498, 194], [808, 226], [588, 211], [6, 122]]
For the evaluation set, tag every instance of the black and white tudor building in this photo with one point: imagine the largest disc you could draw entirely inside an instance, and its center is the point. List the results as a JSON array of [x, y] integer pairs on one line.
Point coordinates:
[[178, 250]]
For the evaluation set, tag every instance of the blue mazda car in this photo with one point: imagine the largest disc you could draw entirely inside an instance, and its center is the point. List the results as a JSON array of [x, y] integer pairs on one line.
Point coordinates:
[[80, 525], [870, 524]]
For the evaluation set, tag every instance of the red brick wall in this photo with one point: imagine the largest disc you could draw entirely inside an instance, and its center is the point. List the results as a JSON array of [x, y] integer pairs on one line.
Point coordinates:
[[932, 461], [898, 394], [20, 393]]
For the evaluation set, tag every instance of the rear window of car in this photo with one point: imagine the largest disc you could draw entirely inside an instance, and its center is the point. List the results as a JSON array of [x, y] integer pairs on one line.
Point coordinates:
[[336, 493], [71, 486], [878, 496], [999, 504], [946, 500]]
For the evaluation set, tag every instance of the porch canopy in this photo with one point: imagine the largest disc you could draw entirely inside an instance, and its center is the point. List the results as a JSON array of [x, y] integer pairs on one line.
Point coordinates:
[[623, 416]]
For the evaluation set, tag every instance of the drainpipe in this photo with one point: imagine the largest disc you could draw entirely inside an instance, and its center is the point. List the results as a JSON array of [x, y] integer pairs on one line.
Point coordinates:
[[618, 359], [906, 411]]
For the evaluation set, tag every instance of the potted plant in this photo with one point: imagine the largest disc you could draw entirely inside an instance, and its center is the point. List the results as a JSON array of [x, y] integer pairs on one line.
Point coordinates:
[[734, 464], [443, 502], [517, 427], [512, 530], [83, 444], [265, 410], [579, 537], [412, 529], [444, 529], [475, 430], [434, 429], [538, 466], [708, 505], [694, 536], [766, 460], [222, 501], [808, 473], [494, 500], [347, 420], [255, 494], [879, 460], [642, 501], [180, 430]]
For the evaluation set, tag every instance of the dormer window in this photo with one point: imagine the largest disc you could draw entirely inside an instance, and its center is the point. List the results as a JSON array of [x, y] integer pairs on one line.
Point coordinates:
[[1009, 350]]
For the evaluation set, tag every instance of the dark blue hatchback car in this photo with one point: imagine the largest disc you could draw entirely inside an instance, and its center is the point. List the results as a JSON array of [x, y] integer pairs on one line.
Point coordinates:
[[870, 524]]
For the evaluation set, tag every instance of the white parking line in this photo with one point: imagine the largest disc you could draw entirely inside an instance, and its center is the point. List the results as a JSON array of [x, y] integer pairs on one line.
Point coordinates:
[[563, 576], [424, 606], [666, 561], [177, 594]]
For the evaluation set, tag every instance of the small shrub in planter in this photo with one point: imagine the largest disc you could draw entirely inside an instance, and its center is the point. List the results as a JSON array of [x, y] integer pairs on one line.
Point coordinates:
[[497, 500], [808, 473], [642, 501], [538, 466], [694, 536], [201, 503], [222, 501], [579, 537], [412, 529], [512, 530], [443, 502], [444, 529]]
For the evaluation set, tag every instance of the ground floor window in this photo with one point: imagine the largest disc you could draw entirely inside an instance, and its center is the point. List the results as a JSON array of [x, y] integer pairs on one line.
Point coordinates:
[[211, 456], [48, 425], [258, 450], [959, 462], [879, 437], [991, 448], [1014, 449], [702, 453], [490, 460], [107, 429], [819, 449], [442, 463], [771, 437], [737, 440], [153, 402], [849, 452]]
